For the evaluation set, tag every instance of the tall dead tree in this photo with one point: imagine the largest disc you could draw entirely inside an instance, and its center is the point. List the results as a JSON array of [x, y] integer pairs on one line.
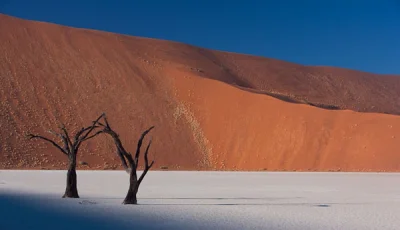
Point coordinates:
[[132, 165], [70, 149]]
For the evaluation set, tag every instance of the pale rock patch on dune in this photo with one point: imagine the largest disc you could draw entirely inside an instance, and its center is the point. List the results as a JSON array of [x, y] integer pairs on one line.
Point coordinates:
[[200, 139]]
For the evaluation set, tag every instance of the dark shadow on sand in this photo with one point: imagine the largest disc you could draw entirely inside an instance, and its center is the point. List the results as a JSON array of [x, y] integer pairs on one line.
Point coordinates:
[[42, 212], [31, 212]]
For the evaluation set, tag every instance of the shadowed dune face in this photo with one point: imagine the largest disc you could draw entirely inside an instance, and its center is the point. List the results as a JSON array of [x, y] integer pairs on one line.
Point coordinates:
[[212, 110], [260, 132]]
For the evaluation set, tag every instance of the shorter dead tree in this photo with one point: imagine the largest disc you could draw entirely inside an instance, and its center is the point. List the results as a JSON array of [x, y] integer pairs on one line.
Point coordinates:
[[125, 156], [70, 149]]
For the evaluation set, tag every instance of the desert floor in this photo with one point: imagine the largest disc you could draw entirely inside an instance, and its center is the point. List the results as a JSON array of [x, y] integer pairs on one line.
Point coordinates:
[[202, 200]]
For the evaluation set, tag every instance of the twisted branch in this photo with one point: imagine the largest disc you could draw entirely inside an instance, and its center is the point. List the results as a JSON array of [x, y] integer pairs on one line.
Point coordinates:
[[147, 165], [139, 145], [31, 136]]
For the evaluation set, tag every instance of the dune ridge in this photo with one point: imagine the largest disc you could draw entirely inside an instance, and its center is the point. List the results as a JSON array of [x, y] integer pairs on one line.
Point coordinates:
[[212, 110]]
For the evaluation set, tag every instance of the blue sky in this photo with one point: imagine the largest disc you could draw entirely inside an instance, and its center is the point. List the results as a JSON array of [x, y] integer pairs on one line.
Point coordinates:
[[356, 34]]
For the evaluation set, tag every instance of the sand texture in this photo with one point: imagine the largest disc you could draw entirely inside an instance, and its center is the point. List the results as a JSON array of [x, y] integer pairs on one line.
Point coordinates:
[[212, 110]]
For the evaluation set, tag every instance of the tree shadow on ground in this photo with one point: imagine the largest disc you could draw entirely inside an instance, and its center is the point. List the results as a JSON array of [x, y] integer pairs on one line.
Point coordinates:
[[261, 201], [243, 204], [221, 198], [323, 205], [211, 198]]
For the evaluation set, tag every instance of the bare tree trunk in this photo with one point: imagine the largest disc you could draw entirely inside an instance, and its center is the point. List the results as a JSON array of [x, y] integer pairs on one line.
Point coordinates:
[[125, 156], [70, 149], [71, 191], [133, 189]]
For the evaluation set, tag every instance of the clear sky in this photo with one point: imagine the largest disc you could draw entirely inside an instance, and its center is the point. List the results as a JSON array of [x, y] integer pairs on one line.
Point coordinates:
[[357, 34]]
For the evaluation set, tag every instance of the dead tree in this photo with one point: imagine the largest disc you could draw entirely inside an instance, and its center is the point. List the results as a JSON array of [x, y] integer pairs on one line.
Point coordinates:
[[70, 149], [125, 156]]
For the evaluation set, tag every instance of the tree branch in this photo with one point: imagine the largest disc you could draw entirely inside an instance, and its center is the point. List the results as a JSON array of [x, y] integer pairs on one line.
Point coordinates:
[[106, 121], [147, 165], [121, 152], [79, 139], [79, 133], [123, 161], [140, 145], [90, 129], [101, 124], [66, 135], [63, 138], [31, 136], [97, 133]]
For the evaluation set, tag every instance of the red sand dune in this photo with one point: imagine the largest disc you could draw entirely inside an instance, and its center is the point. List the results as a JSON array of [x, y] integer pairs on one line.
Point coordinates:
[[212, 110]]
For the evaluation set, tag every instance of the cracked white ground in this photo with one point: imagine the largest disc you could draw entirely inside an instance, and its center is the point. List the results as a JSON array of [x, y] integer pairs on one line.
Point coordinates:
[[201, 200]]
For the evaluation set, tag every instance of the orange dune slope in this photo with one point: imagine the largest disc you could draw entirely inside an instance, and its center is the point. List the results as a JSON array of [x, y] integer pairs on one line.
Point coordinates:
[[212, 110]]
